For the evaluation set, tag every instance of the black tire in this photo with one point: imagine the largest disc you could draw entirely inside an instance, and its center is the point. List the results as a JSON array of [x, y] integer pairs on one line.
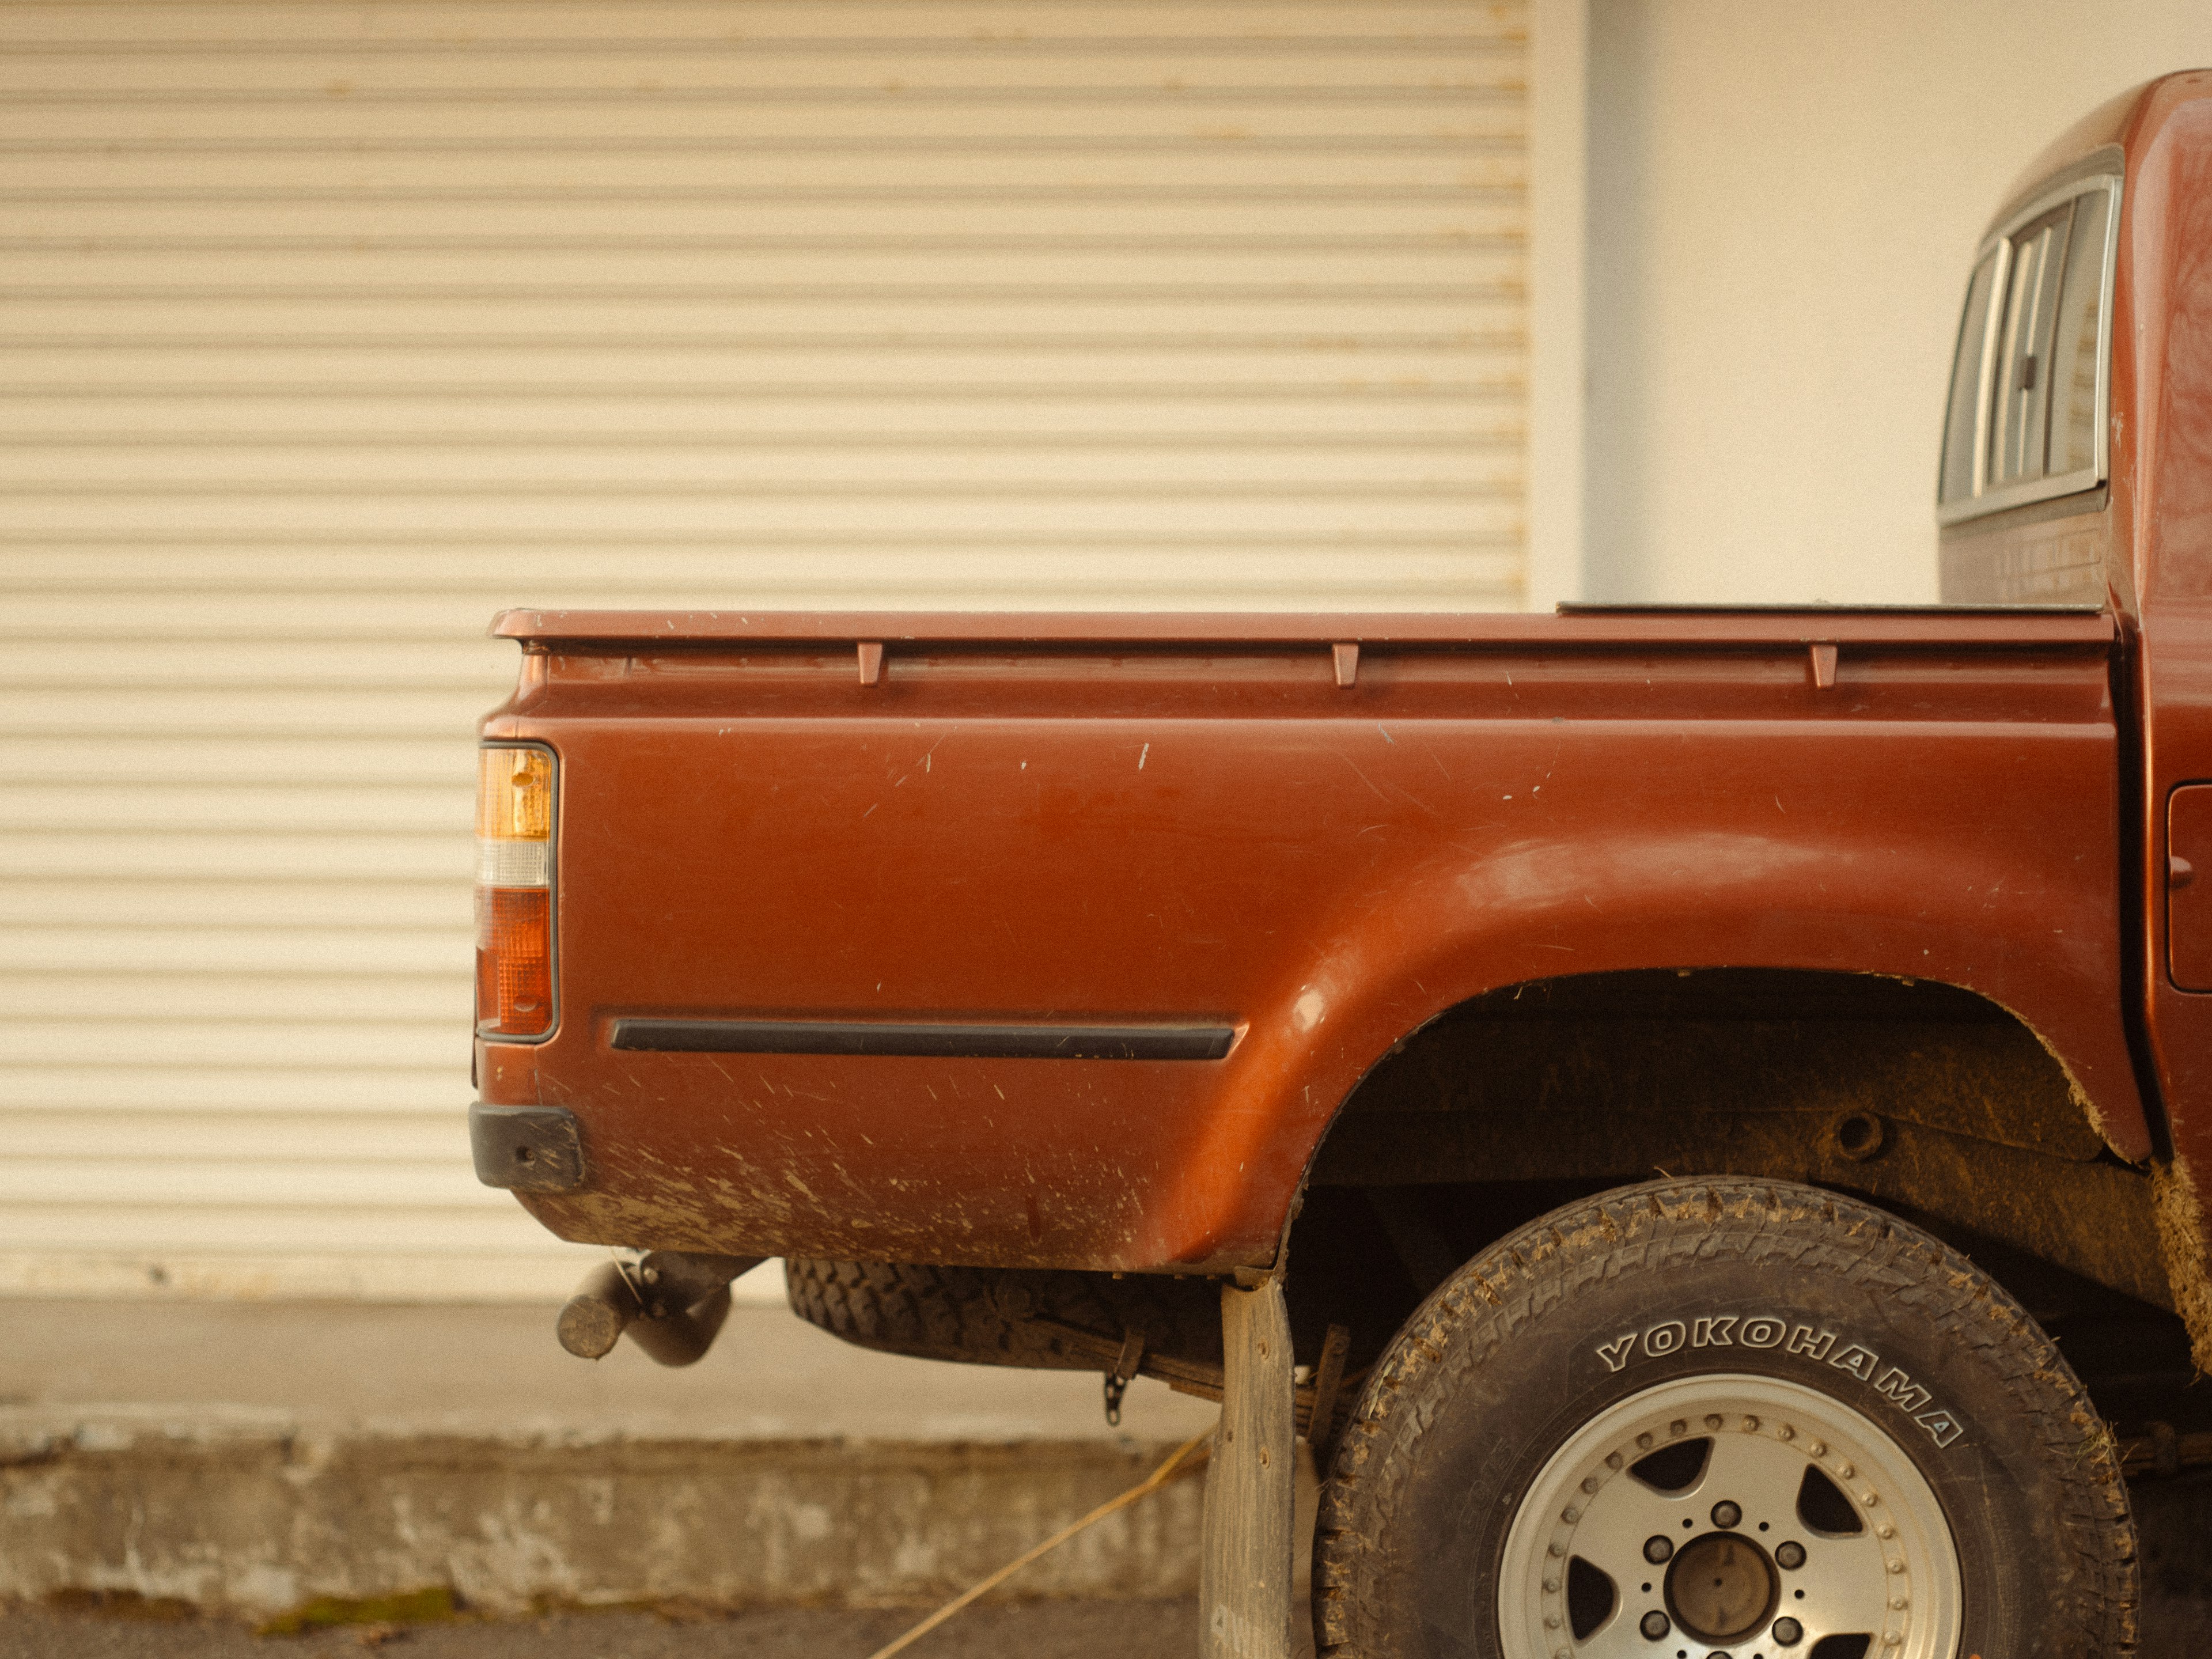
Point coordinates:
[[1510, 1356]]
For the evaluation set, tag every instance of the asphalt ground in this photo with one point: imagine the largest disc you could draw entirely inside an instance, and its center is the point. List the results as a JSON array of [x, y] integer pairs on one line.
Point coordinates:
[[1033, 1630]]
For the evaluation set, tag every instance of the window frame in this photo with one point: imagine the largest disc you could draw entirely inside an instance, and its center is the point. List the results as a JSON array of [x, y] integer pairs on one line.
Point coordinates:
[[1984, 498]]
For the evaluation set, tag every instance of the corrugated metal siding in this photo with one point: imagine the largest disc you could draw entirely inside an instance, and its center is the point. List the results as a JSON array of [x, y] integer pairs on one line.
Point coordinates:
[[326, 330]]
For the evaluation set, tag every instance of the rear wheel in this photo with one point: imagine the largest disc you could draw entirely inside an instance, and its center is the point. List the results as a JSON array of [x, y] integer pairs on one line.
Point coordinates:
[[1727, 1418]]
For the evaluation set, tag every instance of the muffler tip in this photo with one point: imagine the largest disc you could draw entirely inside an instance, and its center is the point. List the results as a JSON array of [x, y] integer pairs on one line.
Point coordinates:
[[592, 1320], [672, 1308]]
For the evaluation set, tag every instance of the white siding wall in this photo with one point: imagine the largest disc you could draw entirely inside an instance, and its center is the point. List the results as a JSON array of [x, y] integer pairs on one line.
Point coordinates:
[[1784, 202], [326, 330]]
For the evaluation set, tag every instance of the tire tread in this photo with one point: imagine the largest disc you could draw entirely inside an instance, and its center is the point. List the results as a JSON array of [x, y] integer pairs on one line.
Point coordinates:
[[1487, 1302]]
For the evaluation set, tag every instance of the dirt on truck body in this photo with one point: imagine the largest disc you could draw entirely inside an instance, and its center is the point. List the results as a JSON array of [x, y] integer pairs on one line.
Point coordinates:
[[1714, 1100]]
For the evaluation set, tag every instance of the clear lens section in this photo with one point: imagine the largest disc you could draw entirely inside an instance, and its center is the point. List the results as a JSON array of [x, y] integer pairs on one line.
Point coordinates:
[[513, 863], [514, 876]]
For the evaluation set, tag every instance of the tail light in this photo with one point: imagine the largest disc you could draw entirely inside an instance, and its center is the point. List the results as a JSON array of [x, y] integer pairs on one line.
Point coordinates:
[[515, 891]]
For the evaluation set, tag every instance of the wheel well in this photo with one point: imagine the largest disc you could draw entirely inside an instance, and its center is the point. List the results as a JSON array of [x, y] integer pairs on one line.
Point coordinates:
[[1929, 1100]]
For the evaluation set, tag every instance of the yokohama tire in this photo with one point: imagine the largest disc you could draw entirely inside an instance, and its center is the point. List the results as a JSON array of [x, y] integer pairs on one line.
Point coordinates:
[[1502, 1438]]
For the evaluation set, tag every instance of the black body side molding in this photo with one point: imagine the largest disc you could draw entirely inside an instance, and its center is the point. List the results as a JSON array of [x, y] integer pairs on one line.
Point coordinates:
[[799, 1037]]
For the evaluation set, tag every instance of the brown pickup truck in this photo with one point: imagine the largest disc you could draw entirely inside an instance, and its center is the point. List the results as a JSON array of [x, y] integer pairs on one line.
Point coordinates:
[[1697, 1115]]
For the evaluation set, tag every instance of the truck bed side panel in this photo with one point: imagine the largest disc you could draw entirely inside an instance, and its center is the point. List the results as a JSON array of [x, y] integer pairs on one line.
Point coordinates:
[[1222, 835]]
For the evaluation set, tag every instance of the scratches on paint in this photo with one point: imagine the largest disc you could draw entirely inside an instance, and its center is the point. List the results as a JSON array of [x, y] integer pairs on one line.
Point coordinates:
[[1363, 778]]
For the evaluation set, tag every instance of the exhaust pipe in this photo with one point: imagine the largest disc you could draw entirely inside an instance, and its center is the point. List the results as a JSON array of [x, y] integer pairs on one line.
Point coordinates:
[[672, 1303]]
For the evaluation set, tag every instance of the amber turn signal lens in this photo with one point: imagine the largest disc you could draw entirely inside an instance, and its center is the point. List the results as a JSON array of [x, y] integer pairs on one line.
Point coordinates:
[[514, 794], [514, 892]]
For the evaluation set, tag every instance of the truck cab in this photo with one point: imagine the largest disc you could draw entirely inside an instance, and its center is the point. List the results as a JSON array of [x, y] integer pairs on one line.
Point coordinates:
[[2077, 471]]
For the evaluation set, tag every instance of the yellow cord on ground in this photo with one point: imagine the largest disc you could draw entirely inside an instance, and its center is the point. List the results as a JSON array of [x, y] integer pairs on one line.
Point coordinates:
[[1179, 1463]]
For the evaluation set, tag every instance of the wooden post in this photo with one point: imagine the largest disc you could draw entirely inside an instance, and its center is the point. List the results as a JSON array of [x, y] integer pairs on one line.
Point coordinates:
[[1244, 1579]]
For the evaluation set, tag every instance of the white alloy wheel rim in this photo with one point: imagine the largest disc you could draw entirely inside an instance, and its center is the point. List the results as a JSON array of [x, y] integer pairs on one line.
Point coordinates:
[[1737, 1596]]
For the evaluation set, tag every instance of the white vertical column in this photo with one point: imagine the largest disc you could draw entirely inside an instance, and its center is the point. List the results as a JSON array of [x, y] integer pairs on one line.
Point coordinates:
[[1244, 1580], [1559, 177]]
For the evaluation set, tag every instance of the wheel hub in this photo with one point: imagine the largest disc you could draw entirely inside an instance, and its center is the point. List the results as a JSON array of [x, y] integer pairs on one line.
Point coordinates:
[[1721, 1587], [1742, 1516]]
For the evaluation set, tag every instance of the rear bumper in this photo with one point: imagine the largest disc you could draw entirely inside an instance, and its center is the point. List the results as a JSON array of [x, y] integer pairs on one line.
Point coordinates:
[[526, 1149]]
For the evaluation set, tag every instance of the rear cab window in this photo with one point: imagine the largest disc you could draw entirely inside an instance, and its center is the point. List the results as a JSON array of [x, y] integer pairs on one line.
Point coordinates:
[[2030, 380]]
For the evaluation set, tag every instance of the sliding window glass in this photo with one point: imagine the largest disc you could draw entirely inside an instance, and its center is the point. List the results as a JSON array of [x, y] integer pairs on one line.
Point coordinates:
[[2020, 419], [2027, 383]]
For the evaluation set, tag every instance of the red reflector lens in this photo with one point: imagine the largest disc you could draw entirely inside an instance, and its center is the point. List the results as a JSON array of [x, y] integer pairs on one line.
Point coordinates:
[[514, 961]]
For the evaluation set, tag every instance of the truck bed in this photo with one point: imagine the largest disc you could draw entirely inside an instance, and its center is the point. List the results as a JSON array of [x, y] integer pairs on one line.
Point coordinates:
[[1059, 940]]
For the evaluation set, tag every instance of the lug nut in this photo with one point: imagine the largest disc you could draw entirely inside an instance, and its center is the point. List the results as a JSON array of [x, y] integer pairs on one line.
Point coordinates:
[[1788, 1632], [1657, 1549], [1790, 1555], [1655, 1625], [1726, 1514]]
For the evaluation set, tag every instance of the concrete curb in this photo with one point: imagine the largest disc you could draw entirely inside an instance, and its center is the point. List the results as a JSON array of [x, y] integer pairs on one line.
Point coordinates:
[[245, 1512]]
